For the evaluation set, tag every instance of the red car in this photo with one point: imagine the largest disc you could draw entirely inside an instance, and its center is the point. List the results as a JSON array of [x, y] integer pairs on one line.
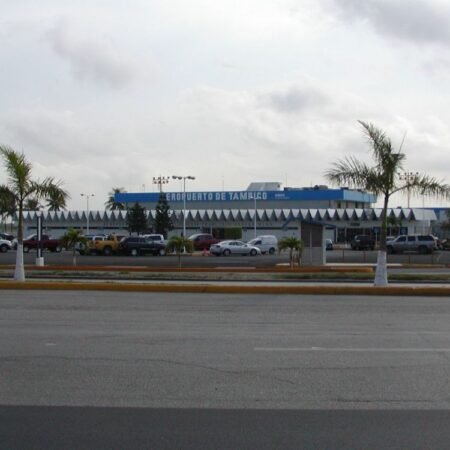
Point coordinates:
[[202, 241]]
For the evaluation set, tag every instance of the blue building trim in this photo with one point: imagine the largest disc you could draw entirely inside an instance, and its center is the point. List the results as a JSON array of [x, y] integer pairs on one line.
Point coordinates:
[[245, 196]]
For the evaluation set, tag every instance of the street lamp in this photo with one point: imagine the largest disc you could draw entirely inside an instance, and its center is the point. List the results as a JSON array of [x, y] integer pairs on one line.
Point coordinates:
[[87, 210], [160, 181], [408, 177], [187, 177]]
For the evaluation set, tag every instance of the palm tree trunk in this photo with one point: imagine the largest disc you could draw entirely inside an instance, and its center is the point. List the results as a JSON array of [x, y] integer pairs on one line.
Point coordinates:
[[74, 257], [19, 272], [381, 278]]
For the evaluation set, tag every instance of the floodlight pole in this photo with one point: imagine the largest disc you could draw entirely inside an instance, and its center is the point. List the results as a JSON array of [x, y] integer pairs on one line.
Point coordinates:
[[87, 210], [184, 178]]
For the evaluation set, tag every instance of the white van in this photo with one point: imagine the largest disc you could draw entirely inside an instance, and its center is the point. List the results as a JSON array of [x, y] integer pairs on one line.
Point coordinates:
[[266, 243]]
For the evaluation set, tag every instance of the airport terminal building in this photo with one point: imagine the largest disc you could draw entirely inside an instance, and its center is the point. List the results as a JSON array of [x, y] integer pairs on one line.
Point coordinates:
[[263, 208]]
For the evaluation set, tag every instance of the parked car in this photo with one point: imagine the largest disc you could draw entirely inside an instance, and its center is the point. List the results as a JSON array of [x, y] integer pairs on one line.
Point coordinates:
[[415, 243], [362, 242], [227, 248], [82, 249], [139, 245], [156, 238], [266, 243], [7, 237], [203, 241], [47, 243], [5, 245], [328, 244]]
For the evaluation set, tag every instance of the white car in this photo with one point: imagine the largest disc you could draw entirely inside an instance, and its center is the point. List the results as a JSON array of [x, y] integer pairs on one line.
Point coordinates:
[[227, 248], [5, 245]]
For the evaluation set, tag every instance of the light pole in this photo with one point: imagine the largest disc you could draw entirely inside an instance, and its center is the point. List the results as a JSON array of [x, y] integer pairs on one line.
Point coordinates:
[[87, 210], [408, 177], [254, 224], [187, 177], [160, 181]]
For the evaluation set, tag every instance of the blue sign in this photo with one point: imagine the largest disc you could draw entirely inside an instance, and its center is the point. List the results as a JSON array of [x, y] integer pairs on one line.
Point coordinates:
[[245, 196]]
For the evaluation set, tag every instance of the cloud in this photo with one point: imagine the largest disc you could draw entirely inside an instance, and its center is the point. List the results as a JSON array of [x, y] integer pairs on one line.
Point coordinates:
[[418, 21], [294, 99], [90, 59]]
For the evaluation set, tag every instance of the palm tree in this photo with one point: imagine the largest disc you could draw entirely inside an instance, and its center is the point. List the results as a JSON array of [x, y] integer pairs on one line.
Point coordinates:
[[295, 247], [111, 204], [32, 204], [57, 199], [70, 240], [179, 245], [21, 187], [383, 178], [7, 204]]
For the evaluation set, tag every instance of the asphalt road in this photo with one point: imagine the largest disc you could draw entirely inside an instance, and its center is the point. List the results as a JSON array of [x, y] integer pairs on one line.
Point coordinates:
[[115, 370], [335, 256]]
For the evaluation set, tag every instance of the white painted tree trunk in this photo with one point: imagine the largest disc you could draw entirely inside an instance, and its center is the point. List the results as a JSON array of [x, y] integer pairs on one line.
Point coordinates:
[[381, 278], [19, 273]]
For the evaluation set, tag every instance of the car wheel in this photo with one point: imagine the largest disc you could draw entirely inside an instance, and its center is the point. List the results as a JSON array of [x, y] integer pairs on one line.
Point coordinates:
[[107, 251], [253, 252], [134, 252], [81, 252], [162, 252], [390, 250], [226, 252], [58, 249], [4, 248], [271, 251], [26, 249]]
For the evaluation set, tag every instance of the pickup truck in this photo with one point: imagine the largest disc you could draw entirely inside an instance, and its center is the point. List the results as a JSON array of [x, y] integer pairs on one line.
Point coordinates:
[[47, 243], [106, 247]]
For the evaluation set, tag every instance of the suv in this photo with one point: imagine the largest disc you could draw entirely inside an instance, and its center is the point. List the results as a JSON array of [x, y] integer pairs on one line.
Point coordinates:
[[139, 245], [362, 242], [202, 241], [416, 243]]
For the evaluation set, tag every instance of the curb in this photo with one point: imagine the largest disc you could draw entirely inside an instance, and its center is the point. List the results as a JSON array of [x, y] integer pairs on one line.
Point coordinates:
[[224, 289]]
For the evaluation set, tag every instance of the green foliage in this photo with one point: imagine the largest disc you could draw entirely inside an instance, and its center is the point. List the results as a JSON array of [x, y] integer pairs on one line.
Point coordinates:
[[70, 240], [179, 245], [163, 222], [111, 203], [233, 233], [295, 247], [384, 176], [19, 188], [137, 219]]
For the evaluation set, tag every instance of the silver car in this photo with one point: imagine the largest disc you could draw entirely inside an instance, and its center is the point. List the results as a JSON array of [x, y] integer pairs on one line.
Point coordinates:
[[227, 248]]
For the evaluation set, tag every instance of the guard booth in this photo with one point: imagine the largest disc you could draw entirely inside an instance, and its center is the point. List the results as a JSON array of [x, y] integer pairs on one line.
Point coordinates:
[[313, 237]]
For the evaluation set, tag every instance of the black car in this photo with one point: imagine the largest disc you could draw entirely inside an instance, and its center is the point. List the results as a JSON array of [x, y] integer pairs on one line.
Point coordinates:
[[362, 242], [138, 245]]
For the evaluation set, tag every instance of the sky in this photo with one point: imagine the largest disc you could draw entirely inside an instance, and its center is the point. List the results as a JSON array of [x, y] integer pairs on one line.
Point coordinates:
[[113, 93]]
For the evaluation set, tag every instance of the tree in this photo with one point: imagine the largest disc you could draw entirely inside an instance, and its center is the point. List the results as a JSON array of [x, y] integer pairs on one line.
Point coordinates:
[[383, 178], [295, 247], [163, 222], [137, 219], [32, 204], [111, 203], [57, 199], [179, 245], [21, 187], [70, 240], [7, 204]]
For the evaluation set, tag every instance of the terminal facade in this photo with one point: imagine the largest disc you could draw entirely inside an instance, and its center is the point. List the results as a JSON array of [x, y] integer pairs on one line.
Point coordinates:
[[264, 208]]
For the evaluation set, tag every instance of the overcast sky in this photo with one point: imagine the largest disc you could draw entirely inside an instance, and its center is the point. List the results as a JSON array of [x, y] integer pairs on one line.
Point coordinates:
[[111, 93]]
